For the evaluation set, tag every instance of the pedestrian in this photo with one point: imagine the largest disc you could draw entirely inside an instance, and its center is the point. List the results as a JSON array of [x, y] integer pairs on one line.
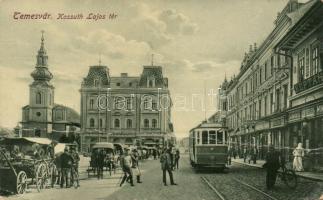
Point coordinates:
[[66, 161], [135, 164], [234, 152], [100, 163], [177, 157], [272, 164], [166, 165], [155, 154], [76, 160], [230, 151], [244, 153], [298, 154], [254, 154], [126, 163]]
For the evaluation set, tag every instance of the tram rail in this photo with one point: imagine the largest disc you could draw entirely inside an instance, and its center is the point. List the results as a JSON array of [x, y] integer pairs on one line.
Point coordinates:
[[223, 196]]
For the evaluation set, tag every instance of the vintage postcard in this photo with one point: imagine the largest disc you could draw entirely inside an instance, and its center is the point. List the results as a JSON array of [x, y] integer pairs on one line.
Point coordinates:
[[163, 99]]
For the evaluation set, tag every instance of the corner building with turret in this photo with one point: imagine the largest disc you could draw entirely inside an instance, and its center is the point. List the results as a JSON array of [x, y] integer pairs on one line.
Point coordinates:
[[131, 110]]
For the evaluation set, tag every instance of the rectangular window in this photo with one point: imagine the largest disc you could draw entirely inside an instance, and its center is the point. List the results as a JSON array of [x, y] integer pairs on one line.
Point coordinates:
[[212, 136], [307, 63], [271, 103], [278, 100], [205, 137], [265, 109], [285, 96], [220, 138], [301, 60], [129, 105], [259, 110], [272, 65], [266, 76], [315, 61], [198, 138], [260, 76]]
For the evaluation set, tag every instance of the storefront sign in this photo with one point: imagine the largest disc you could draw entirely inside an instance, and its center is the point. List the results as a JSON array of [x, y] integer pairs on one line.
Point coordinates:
[[294, 116], [277, 122], [308, 83], [308, 112]]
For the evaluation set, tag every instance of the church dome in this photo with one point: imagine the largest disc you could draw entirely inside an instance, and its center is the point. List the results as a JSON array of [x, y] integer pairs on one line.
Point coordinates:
[[42, 73]]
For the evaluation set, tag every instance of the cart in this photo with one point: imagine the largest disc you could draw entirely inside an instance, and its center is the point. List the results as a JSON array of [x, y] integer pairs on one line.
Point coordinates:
[[109, 163], [17, 173]]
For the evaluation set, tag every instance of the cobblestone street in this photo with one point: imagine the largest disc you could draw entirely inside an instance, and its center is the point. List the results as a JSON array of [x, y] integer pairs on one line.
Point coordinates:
[[190, 186]]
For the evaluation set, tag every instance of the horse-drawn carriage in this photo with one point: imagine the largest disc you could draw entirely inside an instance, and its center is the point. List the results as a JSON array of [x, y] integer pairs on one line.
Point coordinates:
[[102, 152], [30, 165]]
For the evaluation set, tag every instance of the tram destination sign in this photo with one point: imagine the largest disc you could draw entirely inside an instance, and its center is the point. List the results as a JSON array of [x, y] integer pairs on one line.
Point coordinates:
[[308, 83]]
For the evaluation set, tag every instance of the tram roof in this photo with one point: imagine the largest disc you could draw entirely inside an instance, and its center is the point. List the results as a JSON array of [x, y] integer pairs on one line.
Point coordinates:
[[208, 125]]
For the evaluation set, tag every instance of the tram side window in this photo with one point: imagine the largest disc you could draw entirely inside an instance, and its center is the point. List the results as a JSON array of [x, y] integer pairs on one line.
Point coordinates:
[[204, 137], [198, 138], [212, 136], [220, 138]]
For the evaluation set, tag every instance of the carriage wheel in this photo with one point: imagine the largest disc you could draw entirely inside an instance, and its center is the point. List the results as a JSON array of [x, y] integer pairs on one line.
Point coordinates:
[[41, 176], [53, 175], [21, 182]]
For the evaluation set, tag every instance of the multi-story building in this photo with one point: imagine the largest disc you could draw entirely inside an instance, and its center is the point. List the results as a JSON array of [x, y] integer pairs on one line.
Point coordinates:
[[42, 117], [304, 45], [277, 96], [125, 109]]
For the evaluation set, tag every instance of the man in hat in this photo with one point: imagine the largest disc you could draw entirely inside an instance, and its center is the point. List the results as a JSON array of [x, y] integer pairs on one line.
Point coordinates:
[[166, 165], [126, 163], [76, 160], [66, 166], [135, 164], [273, 163]]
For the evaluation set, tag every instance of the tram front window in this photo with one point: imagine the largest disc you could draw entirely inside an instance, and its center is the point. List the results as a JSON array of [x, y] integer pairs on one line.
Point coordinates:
[[204, 137], [212, 136], [220, 138]]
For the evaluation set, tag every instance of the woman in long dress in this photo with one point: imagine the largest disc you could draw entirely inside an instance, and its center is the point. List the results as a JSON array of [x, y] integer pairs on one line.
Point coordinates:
[[298, 155]]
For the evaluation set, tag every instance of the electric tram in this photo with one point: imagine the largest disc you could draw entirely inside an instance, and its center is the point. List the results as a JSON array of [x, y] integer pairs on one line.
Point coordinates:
[[208, 146]]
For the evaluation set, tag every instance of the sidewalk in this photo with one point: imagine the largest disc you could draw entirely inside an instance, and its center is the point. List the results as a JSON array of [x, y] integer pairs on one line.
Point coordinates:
[[308, 175]]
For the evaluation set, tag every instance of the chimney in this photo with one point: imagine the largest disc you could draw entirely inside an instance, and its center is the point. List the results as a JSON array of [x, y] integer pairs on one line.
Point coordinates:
[[124, 74], [250, 48]]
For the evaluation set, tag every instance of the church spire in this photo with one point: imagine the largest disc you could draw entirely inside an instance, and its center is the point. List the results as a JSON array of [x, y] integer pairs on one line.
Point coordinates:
[[42, 55], [41, 72]]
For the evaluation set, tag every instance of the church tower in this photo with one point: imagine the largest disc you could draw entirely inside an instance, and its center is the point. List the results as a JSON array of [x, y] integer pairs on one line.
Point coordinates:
[[41, 95]]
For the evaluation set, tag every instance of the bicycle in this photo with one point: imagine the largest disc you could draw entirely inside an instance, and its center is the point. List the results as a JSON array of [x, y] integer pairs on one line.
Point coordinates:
[[288, 176]]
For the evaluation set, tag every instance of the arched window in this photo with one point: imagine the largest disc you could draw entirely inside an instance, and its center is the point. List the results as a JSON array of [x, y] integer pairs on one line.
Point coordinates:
[[92, 123], [116, 123], [146, 123], [38, 98], [129, 123], [154, 123]]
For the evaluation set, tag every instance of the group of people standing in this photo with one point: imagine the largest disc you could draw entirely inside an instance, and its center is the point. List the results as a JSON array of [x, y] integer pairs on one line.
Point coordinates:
[[129, 163], [67, 165]]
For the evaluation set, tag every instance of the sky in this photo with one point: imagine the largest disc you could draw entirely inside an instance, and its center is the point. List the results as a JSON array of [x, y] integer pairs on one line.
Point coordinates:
[[198, 44]]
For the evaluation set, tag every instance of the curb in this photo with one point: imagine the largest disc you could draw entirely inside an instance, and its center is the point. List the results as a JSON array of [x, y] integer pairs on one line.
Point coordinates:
[[297, 174]]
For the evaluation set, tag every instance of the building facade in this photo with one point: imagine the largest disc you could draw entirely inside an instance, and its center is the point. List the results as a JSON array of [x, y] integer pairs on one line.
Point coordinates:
[[125, 109], [42, 117], [276, 97]]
